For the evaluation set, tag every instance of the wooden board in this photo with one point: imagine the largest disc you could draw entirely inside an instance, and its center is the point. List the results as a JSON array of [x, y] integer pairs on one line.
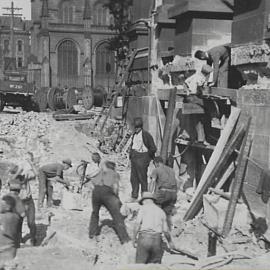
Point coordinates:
[[70, 117], [237, 184], [196, 203]]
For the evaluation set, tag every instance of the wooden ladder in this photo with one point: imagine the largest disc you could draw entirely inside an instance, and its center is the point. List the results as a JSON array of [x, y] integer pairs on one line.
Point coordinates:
[[123, 78]]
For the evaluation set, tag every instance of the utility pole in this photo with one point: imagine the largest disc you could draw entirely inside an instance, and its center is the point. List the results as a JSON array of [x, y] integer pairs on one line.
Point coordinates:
[[12, 15]]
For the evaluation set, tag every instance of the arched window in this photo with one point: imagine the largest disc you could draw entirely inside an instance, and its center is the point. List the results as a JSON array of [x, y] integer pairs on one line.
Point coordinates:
[[101, 15], [19, 46], [67, 13], [67, 63], [105, 60]]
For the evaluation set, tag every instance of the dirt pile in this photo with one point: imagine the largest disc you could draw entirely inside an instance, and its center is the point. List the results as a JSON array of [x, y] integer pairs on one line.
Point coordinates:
[[25, 132]]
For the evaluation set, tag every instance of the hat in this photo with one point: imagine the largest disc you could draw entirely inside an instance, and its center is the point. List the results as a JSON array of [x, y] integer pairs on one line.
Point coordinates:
[[206, 69], [68, 162], [147, 195]]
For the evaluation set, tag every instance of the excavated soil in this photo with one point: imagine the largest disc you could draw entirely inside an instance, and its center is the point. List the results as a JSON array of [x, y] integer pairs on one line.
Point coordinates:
[[69, 247]]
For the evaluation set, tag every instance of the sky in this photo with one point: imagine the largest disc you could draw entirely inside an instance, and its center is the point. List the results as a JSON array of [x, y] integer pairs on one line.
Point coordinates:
[[24, 4]]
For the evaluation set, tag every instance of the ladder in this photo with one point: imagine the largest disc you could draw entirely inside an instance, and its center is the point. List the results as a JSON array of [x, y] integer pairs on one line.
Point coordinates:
[[123, 78]]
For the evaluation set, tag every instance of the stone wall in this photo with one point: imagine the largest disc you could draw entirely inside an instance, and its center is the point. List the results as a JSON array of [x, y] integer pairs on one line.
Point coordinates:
[[257, 104]]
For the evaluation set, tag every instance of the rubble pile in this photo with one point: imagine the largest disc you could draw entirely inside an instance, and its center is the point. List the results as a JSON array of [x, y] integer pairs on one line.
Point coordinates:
[[28, 124], [21, 134]]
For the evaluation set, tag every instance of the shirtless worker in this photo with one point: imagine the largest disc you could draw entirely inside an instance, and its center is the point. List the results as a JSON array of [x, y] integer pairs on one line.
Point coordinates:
[[105, 193], [46, 173], [219, 57]]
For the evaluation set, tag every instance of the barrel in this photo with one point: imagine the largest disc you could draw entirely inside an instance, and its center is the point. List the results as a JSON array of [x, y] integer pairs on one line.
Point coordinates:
[[93, 97]]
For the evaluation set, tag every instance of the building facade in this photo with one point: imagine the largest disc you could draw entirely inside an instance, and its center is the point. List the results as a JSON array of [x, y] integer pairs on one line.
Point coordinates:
[[69, 44], [19, 49]]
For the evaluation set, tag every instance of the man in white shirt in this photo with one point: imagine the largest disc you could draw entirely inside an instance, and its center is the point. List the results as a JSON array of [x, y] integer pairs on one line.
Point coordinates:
[[151, 223], [142, 152]]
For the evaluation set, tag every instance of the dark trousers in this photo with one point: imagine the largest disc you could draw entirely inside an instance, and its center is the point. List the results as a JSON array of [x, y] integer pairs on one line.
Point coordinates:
[[45, 189], [223, 73], [139, 167], [149, 248], [166, 200], [104, 196], [30, 216]]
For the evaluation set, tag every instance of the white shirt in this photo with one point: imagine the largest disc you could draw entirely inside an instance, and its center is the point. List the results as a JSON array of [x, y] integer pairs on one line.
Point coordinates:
[[197, 79], [152, 219], [138, 144]]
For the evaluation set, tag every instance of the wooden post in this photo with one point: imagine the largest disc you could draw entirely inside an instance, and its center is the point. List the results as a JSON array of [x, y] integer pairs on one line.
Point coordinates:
[[212, 244], [237, 184], [168, 125]]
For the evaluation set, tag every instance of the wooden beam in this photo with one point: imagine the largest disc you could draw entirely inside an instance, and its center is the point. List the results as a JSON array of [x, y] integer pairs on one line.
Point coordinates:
[[196, 203], [237, 184], [168, 125]]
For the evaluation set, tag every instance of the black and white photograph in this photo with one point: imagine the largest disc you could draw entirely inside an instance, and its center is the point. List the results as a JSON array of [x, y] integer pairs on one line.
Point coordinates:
[[134, 134]]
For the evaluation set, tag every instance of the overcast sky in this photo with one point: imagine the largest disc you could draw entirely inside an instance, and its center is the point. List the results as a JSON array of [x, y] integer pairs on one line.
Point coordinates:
[[24, 4]]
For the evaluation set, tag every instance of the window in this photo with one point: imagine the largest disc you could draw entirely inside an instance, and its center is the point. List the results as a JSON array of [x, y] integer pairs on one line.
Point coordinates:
[[67, 63], [19, 46], [101, 15], [6, 46], [67, 13], [19, 62], [104, 58]]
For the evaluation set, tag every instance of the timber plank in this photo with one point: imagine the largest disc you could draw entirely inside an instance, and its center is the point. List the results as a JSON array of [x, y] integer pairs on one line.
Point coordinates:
[[212, 165]]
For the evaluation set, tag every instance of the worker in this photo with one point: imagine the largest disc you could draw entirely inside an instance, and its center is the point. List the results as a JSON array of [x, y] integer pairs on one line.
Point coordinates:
[[143, 150], [164, 186], [9, 229], [46, 173], [219, 57], [23, 175], [92, 169], [14, 191], [150, 225], [105, 194], [196, 83]]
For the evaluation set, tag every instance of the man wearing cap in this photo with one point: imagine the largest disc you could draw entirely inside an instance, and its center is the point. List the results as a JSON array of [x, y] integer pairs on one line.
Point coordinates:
[[163, 184], [46, 173], [219, 57], [143, 150], [150, 225]]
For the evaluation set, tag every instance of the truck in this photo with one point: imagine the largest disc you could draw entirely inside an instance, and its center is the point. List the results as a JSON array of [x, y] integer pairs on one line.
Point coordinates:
[[15, 91]]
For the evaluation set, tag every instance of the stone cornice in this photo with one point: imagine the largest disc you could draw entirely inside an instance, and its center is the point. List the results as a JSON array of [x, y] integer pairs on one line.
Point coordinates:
[[250, 53]]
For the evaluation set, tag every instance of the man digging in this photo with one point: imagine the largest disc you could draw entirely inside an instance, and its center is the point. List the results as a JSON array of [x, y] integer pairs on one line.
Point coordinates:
[[46, 173]]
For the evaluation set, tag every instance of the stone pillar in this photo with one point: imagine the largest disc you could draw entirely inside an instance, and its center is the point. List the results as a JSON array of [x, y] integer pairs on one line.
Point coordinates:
[[45, 69], [87, 61]]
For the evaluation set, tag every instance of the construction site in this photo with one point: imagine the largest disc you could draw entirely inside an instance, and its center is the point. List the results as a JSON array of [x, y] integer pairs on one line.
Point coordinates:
[[135, 135]]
